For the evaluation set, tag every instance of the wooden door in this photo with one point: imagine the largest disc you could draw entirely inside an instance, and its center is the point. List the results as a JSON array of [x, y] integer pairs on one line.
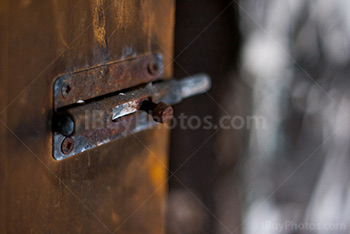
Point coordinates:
[[119, 187]]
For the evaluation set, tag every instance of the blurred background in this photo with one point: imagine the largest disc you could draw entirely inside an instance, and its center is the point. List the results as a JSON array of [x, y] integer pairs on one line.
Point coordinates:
[[286, 61]]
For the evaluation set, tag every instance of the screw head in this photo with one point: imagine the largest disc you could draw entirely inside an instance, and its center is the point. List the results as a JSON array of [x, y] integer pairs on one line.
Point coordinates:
[[153, 68], [67, 145], [66, 89]]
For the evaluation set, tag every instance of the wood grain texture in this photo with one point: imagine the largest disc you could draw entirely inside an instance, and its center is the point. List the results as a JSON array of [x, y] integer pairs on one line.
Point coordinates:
[[118, 187]]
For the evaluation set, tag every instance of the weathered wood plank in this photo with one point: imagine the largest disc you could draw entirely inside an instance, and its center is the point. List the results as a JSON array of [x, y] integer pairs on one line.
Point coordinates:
[[100, 190]]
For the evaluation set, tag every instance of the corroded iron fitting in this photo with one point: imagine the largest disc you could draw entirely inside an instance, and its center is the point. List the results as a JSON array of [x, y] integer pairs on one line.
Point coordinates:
[[161, 112]]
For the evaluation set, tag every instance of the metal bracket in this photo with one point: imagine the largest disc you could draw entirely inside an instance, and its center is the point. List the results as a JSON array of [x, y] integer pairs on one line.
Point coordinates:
[[84, 85]]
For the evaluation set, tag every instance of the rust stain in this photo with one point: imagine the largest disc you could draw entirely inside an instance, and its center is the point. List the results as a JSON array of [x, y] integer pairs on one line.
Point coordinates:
[[121, 17], [25, 3], [157, 161], [99, 23], [157, 171], [149, 21], [60, 22], [115, 217]]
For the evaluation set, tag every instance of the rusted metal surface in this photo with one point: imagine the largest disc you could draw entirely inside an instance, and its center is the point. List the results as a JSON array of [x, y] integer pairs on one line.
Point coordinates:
[[84, 85], [96, 122], [110, 189], [67, 145], [170, 92], [161, 112]]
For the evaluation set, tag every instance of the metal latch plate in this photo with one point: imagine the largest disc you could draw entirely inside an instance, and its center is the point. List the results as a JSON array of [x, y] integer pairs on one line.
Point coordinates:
[[101, 104], [84, 85]]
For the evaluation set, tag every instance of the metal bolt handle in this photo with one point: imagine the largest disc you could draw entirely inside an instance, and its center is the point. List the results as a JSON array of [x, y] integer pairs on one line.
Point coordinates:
[[161, 112]]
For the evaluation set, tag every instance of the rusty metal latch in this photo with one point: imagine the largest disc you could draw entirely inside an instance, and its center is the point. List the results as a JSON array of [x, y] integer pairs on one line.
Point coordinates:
[[98, 105]]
